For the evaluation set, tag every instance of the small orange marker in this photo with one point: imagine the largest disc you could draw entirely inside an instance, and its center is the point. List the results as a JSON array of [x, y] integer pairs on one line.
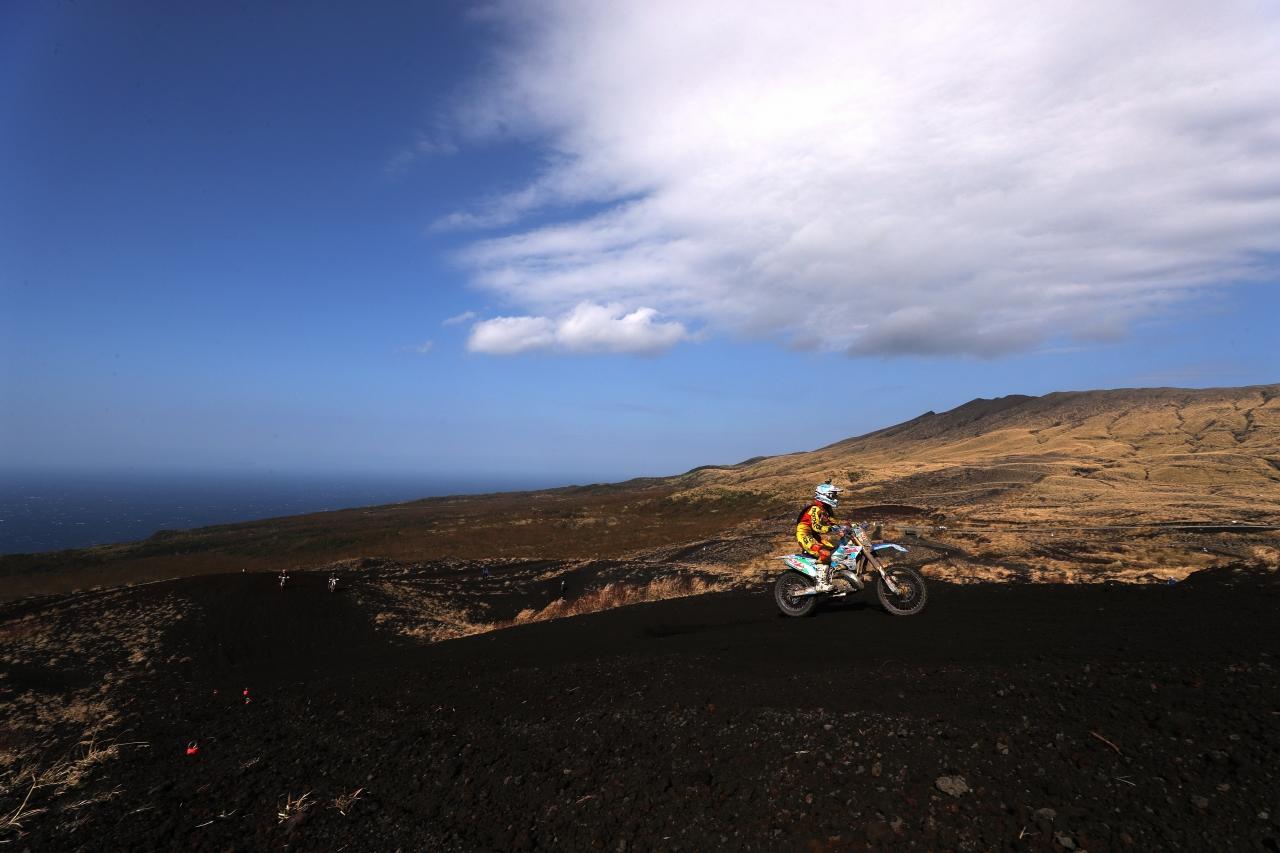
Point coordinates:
[[192, 749]]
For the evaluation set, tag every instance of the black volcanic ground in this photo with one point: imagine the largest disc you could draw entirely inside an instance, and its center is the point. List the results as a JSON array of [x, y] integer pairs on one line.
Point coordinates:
[[1093, 717]]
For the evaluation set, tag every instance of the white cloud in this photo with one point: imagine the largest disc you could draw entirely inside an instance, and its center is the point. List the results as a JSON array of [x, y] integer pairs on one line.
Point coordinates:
[[587, 328], [511, 335], [881, 178], [420, 349], [457, 319]]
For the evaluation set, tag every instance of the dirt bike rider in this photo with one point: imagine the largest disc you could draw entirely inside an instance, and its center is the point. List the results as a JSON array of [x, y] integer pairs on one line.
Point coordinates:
[[812, 526]]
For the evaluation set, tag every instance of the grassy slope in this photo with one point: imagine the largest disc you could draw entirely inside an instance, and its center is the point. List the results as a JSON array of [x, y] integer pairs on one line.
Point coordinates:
[[1155, 454], [1072, 458], [572, 523]]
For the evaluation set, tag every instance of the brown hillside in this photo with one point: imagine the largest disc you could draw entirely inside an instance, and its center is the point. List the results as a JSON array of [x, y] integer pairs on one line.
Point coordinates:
[[1159, 454], [1002, 488], [1010, 482]]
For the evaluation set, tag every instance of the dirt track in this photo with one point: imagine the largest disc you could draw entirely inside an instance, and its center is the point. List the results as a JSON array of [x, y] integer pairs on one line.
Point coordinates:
[[1094, 717]]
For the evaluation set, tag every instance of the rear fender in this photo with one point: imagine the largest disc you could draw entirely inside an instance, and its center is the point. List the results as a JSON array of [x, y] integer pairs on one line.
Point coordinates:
[[801, 565]]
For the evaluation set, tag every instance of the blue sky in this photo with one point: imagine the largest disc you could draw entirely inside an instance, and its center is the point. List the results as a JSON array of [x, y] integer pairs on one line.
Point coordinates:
[[231, 239]]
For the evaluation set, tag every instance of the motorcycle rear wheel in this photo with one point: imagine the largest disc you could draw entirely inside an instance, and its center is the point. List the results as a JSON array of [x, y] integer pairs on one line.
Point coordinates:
[[912, 593], [785, 594]]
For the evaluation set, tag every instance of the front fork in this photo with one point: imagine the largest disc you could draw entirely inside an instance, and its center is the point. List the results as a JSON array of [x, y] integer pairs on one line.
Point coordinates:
[[853, 576], [867, 555]]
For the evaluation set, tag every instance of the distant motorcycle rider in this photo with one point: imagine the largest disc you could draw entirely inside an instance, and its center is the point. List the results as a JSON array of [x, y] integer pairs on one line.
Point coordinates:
[[813, 525]]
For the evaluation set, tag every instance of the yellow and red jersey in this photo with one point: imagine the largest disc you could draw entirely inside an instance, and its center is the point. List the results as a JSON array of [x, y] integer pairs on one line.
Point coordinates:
[[812, 526]]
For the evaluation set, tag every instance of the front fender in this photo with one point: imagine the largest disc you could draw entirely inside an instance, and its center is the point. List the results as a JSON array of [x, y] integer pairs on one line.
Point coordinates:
[[885, 546]]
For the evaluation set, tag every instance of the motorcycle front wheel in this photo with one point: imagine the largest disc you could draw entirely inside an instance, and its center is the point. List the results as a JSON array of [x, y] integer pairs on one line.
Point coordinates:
[[911, 595], [787, 594]]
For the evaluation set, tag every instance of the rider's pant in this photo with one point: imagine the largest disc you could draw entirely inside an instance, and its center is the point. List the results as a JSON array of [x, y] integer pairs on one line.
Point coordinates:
[[817, 548]]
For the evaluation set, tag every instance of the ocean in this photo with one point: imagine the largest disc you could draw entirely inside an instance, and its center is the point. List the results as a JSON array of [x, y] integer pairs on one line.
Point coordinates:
[[52, 512]]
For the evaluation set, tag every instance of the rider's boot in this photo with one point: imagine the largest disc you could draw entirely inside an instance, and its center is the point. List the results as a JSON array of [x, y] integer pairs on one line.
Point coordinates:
[[824, 578]]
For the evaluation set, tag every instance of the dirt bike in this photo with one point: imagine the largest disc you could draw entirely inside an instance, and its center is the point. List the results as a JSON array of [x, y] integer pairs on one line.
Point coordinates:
[[854, 561]]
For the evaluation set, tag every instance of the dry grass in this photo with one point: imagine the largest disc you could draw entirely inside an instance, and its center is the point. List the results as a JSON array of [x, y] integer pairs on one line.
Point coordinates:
[[344, 802], [1124, 556], [433, 616], [53, 782], [13, 821], [105, 633], [418, 613], [755, 569], [616, 595], [294, 807], [1268, 555]]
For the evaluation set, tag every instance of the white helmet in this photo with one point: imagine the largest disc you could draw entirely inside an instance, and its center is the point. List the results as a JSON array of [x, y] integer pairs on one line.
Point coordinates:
[[827, 494]]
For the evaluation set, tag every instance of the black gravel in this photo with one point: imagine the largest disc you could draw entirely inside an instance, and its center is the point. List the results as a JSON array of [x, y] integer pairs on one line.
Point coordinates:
[[1002, 718]]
